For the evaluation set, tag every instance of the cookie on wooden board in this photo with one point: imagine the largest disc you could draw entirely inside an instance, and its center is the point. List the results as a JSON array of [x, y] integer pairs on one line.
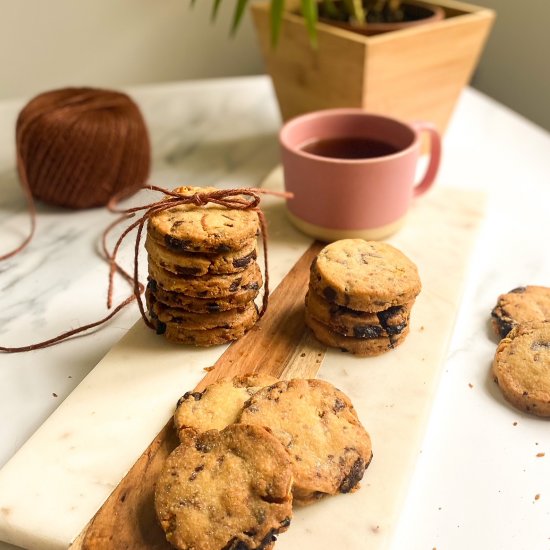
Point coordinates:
[[183, 263], [329, 448], [520, 305], [206, 286], [209, 229], [228, 490], [178, 333], [358, 324], [220, 404], [241, 297], [197, 321], [364, 275], [362, 347], [522, 367]]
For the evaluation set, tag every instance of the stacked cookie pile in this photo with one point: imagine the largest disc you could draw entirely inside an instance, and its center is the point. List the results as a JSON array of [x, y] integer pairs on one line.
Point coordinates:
[[203, 277], [521, 367], [251, 447], [360, 296]]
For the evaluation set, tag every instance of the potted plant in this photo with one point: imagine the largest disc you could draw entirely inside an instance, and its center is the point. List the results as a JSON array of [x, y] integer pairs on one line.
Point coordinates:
[[319, 55]]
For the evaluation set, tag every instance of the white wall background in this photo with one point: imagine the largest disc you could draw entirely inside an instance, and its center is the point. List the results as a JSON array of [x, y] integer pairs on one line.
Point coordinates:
[[52, 43]]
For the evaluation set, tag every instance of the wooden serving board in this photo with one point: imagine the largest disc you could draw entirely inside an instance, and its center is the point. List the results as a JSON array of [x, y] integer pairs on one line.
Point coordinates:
[[63, 488]]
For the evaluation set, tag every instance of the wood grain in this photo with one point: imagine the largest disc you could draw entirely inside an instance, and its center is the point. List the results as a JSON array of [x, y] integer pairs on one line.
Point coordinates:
[[410, 74], [279, 345]]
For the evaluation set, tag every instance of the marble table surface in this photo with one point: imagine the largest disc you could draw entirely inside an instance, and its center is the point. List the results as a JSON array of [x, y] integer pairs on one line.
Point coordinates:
[[478, 472]]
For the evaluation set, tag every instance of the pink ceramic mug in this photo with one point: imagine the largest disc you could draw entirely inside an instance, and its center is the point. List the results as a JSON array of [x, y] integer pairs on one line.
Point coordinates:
[[338, 198]]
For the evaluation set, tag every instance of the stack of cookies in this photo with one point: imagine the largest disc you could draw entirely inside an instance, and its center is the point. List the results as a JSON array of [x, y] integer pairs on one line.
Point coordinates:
[[360, 296], [203, 275]]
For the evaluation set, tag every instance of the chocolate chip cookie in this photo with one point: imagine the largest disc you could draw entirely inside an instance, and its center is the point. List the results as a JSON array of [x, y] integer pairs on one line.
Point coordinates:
[[520, 305], [358, 324], [329, 448], [220, 404], [522, 367], [241, 297], [209, 229], [364, 346], [182, 263], [206, 286], [228, 490], [364, 275]]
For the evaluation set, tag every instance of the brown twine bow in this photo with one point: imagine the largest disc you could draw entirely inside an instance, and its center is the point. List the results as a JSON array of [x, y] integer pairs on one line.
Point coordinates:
[[239, 199]]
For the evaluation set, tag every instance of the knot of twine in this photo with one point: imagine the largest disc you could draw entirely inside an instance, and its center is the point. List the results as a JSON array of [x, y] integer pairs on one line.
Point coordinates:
[[238, 199]]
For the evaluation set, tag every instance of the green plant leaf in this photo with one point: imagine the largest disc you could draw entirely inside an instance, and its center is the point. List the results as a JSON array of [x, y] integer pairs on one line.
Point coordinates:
[[215, 8], [309, 11], [277, 10], [239, 12]]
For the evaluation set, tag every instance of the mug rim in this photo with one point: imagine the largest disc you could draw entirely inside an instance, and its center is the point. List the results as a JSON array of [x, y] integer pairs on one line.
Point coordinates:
[[283, 137]]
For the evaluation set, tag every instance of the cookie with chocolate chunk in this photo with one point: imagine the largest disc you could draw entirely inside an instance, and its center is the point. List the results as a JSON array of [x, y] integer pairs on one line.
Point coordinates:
[[196, 321], [210, 228], [220, 404], [184, 263], [228, 490], [521, 367], [329, 448], [359, 324], [365, 346], [364, 275], [179, 333], [239, 298], [206, 286], [524, 304]]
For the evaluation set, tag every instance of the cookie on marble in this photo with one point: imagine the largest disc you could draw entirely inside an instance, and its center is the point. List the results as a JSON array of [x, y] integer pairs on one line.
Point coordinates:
[[206, 286], [228, 490], [197, 321], [329, 448], [219, 404], [209, 229], [183, 263], [524, 304], [359, 324], [364, 275], [239, 298], [521, 367], [362, 347], [178, 333]]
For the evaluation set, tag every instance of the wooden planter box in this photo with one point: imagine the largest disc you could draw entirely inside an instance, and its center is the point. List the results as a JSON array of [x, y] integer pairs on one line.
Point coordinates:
[[410, 74]]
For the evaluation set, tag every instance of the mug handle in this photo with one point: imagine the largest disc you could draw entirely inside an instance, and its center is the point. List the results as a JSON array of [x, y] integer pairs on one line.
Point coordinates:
[[435, 156]]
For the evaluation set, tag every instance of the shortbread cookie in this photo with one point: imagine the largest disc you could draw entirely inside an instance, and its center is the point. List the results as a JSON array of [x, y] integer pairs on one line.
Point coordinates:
[[524, 304], [358, 324], [210, 228], [226, 490], [197, 321], [220, 404], [180, 334], [241, 297], [329, 448], [207, 286], [364, 347], [522, 367], [364, 275], [183, 263]]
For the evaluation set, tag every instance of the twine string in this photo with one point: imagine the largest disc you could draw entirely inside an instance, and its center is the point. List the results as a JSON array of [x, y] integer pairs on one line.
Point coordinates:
[[238, 199]]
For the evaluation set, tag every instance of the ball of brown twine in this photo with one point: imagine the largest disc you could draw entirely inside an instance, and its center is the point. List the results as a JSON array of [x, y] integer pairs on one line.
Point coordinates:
[[78, 147]]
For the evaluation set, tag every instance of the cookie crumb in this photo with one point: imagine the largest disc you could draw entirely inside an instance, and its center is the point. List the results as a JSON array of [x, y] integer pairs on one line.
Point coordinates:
[[421, 328], [470, 385], [302, 354], [539, 455], [515, 424], [537, 496], [208, 369], [54, 394]]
